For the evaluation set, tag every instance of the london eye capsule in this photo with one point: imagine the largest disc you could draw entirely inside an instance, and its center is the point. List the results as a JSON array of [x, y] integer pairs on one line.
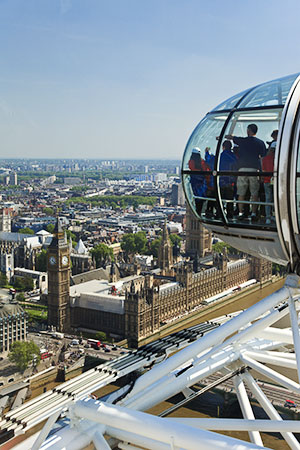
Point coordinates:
[[241, 171]]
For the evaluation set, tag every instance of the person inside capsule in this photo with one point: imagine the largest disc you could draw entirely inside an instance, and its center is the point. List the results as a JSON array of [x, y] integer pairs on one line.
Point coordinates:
[[198, 182], [250, 151], [268, 166]]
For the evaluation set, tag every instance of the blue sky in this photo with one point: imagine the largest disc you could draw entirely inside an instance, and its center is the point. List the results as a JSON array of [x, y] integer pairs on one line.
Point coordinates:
[[131, 78]]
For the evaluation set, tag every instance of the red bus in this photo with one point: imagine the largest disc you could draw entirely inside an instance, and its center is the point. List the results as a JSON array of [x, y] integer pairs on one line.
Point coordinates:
[[94, 343], [45, 355]]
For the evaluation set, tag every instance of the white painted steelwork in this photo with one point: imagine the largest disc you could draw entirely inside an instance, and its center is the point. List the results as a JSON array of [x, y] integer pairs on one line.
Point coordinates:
[[237, 345]]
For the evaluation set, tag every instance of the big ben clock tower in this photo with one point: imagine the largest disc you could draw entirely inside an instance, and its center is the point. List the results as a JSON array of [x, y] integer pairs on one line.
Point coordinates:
[[58, 267]]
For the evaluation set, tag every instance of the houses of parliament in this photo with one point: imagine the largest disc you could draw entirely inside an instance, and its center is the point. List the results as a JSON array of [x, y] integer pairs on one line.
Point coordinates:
[[134, 307]]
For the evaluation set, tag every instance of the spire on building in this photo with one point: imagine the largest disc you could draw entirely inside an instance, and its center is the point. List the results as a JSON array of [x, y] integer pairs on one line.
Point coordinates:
[[58, 227], [80, 248], [165, 254], [197, 263]]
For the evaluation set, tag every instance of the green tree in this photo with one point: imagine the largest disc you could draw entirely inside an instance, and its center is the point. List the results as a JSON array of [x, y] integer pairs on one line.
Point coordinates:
[[154, 246], [219, 248], [101, 336], [48, 211], [102, 255], [134, 243], [175, 239], [20, 297], [21, 353], [26, 230], [41, 261], [71, 236], [23, 283], [3, 280], [50, 227]]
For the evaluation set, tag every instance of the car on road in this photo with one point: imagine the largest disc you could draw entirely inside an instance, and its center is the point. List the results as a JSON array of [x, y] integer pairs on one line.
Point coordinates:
[[290, 404], [107, 350], [114, 348]]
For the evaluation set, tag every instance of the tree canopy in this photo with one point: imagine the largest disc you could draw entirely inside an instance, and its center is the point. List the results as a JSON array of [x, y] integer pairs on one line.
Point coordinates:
[[219, 248], [26, 230], [102, 255], [3, 279], [175, 239], [114, 201], [48, 211], [101, 336], [21, 353], [23, 283], [154, 246], [41, 261], [134, 243], [50, 227]]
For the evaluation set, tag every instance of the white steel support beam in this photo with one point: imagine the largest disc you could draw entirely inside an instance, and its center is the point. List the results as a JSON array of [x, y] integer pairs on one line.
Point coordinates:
[[272, 359], [174, 384], [211, 339], [165, 430], [246, 408], [46, 430], [269, 409], [295, 329], [265, 426], [271, 374], [99, 442]]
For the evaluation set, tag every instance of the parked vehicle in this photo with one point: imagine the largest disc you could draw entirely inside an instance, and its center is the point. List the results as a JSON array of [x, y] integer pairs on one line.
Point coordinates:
[[75, 342], [57, 335], [94, 343], [290, 404]]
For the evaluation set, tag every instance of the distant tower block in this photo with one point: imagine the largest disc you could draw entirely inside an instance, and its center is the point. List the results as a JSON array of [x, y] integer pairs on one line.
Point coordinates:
[[165, 253], [59, 280], [198, 238], [13, 179]]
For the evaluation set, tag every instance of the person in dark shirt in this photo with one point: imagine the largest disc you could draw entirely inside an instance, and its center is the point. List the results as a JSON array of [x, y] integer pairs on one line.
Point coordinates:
[[251, 150], [228, 161]]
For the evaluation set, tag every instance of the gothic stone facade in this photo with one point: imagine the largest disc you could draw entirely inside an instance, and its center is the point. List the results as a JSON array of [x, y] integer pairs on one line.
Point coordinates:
[[147, 307], [198, 238]]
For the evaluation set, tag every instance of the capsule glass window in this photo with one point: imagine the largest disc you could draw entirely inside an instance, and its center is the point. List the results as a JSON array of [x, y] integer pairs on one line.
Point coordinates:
[[204, 140]]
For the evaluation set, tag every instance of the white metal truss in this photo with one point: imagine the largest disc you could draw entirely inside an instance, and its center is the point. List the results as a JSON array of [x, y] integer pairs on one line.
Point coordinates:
[[254, 339]]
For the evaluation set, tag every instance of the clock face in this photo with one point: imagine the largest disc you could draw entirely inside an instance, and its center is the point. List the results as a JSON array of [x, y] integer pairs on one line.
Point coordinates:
[[65, 260], [52, 260]]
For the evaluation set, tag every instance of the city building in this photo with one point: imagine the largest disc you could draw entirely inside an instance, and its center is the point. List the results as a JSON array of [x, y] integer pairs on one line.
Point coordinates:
[[198, 238], [80, 258], [177, 195], [5, 220], [58, 265], [165, 254], [13, 324], [136, 306]]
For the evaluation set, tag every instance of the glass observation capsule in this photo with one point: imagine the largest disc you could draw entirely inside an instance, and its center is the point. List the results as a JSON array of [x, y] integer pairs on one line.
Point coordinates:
[[241, 171]]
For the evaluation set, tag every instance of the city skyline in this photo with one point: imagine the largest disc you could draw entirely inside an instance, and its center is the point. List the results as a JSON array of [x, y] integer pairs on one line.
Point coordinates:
[[130, 79]]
